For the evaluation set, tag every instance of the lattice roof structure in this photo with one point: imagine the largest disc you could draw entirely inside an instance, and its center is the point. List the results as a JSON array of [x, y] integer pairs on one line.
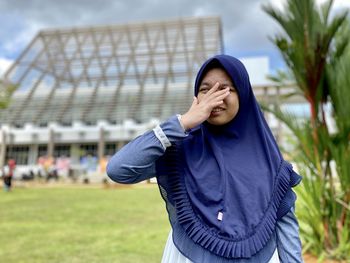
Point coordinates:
[[133, 71]]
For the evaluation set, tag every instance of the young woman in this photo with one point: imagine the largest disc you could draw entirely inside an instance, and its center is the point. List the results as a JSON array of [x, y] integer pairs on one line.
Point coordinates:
[[226, 185]]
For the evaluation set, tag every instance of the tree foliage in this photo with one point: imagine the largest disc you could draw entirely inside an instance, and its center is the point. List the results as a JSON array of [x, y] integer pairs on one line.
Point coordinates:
[[6, 91], [316, 51]]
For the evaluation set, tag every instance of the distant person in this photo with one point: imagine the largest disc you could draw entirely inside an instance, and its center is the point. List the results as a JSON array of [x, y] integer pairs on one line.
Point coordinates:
[[102, 165], [8, 174], [227, 188], [63, 165], [46, 164]]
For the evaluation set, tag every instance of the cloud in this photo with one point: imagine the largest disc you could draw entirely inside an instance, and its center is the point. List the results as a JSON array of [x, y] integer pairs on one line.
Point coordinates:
[[4, 65], [245, 26], [36, 15]]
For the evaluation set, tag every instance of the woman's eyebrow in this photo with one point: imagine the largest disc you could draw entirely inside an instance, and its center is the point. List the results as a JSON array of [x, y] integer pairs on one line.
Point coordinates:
[[228, 83], [205, 84]]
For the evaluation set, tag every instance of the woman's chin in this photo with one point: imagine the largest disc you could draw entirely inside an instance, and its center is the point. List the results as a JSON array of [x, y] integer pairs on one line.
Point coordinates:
[[217, 120]]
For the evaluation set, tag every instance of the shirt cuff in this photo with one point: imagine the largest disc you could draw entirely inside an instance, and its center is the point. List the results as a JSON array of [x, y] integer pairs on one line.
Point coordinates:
[[179, 119], [161, 137]]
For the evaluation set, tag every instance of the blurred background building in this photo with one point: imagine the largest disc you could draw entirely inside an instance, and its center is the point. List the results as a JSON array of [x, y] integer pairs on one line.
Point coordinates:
[[82, 93]]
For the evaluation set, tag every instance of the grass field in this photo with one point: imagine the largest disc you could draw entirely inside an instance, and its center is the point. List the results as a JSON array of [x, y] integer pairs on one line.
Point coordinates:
[[82, 224]]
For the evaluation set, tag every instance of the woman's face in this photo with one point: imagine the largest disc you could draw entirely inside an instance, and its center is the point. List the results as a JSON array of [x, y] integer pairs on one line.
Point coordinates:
[[225, 112]]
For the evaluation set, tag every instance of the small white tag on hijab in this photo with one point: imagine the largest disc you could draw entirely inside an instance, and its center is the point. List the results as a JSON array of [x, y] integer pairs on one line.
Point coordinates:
[[220, 216]]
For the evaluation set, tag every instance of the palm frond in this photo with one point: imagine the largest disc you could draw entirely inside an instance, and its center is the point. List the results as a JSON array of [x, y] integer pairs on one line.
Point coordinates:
[[6, 90], [316, 50]]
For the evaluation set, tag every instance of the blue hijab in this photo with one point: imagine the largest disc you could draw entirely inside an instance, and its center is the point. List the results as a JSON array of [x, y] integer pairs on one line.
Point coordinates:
[[226, 186]]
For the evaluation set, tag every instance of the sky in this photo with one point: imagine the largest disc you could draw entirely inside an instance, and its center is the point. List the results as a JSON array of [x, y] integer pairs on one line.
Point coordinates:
[[246, 28]]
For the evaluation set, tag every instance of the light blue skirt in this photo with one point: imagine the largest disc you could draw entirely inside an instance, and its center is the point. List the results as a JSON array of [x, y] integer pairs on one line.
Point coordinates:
[[173, 255]]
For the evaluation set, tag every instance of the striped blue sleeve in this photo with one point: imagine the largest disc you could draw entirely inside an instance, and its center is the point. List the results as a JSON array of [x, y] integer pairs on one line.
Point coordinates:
[[288, 240], [135, 162]]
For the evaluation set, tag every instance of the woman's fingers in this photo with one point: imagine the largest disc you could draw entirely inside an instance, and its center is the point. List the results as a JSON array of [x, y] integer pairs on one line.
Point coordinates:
[[218, 95], [213, 89], [221, 96], [217, 103], [194, 102], [200, 110]]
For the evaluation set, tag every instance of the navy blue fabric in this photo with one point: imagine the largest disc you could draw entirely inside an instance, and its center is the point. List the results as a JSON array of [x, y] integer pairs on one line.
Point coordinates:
[[235, 169]]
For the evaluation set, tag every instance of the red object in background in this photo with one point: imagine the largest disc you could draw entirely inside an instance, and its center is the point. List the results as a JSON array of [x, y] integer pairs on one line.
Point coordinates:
[[12, 165]]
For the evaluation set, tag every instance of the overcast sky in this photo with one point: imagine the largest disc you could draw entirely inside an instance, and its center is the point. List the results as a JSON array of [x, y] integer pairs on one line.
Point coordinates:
[[245, 26]]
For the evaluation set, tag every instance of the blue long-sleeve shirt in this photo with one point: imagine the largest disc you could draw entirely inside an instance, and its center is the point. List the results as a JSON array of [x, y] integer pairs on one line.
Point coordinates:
[[135, 162]]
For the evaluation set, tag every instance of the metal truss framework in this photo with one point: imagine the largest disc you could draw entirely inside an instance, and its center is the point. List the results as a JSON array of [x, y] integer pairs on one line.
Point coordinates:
[[112, 73]]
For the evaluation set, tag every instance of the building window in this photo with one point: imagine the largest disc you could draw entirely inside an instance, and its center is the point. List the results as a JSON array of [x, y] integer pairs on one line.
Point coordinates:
[[61, 150], [110, 149], [88, 149], [42, 150], [19, 153]]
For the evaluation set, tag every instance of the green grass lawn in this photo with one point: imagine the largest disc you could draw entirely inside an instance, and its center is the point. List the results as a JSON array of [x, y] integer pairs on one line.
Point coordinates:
[[76, 224]]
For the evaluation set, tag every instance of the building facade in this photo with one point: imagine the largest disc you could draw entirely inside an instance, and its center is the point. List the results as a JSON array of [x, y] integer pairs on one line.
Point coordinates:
[[85, 92], [89, 90]]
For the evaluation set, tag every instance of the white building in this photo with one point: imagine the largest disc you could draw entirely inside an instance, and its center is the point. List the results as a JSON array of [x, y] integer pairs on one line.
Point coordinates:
[[90, 90]]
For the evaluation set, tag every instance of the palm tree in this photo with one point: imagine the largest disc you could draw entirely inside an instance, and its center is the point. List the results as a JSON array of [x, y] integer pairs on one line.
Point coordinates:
[[309, 33], [6, 91], [316, 51]]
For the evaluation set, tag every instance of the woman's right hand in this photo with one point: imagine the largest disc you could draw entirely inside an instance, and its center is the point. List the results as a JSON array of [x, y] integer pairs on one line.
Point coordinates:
[[200, 110]]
